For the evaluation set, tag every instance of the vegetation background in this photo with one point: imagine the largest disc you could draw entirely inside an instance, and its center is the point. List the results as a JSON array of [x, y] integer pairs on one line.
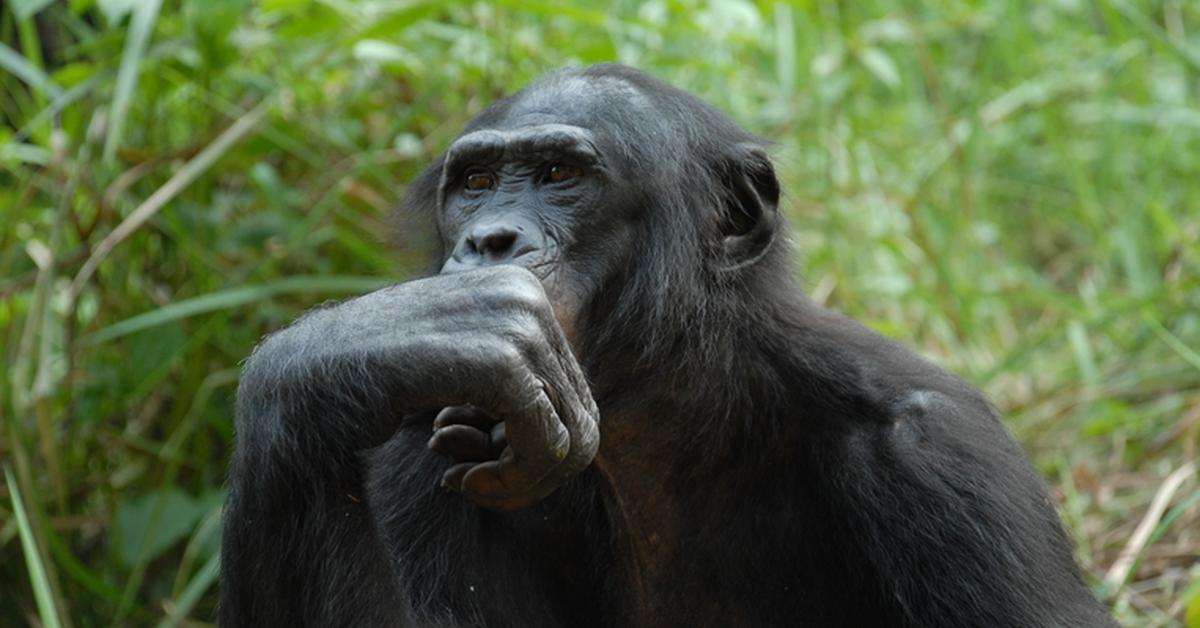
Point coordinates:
[[1013, 186]]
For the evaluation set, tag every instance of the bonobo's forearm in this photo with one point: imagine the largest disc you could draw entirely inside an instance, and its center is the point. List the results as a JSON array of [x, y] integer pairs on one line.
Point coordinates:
[[291, 522], [325, 383], [339, 380], [296, 502], [342, 377]]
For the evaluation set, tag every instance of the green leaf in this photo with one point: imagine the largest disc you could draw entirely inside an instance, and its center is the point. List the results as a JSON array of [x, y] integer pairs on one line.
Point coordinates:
[[142, 25], [881, 65], [146, 526], [1081, 348], [115, 10], [1191, 600], [378, 51], [888, 29], [21, 68], [397, 21], [199, 584], [24, 9], [235, 297], [284, 5], [33, 558], [21, 152], [211, 23], [152, 351], [73, 74]]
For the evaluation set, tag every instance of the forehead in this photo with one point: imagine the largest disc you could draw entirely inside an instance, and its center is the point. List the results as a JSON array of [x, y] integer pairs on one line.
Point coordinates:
[[590, 102]]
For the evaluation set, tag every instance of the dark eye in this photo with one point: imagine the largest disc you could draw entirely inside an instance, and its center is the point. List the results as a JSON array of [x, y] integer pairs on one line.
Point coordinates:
[[479, 180], [562, 172]]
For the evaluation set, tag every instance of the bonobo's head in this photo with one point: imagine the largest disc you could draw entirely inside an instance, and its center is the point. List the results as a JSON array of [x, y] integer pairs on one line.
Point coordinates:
[[648, 214]]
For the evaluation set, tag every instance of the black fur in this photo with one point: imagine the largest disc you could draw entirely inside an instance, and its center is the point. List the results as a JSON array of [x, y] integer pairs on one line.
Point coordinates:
[[763, 461]]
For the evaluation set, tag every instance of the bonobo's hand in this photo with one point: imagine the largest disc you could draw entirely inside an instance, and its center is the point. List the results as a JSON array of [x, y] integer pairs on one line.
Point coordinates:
[[487, 338], [528, 422]]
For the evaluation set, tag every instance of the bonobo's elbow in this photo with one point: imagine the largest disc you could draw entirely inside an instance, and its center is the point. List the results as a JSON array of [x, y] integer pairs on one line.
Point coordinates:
[[258, 418], [272, 395], [279, 367]]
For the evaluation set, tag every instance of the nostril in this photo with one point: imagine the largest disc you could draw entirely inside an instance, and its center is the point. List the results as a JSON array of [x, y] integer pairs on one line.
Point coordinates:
[[495, 243]]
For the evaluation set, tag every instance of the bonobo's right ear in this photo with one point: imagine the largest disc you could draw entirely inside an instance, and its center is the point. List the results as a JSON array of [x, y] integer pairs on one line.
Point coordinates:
[[750, 213], [414, 220]]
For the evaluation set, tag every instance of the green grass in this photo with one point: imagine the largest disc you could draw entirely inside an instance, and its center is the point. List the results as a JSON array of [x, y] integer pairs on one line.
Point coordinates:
[[1011, 186]]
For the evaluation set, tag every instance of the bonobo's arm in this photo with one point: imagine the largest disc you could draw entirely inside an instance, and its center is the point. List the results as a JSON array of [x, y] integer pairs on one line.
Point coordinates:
[[299, 541], [959, 526]]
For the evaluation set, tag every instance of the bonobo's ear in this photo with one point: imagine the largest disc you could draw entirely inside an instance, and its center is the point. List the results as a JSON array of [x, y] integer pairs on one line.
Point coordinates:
[[414, 220], [751, 207]]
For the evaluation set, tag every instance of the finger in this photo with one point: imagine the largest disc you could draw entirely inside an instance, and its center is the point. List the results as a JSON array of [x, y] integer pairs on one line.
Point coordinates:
[[536, 436], [579, 417], [538, 439], [498, 487], [565, 385], [452, 478], [499, 440], [538, 443], [502, 486], [463, 415], [463, 443]]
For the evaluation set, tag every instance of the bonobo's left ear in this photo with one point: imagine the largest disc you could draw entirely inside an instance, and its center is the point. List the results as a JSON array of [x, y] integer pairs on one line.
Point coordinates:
[[751, 206]]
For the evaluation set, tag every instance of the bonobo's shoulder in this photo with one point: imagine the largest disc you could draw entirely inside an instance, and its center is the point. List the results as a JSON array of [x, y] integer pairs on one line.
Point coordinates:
[[889, 380]]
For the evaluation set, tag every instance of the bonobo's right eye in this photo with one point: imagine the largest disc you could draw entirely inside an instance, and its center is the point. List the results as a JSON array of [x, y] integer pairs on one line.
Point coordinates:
[[560, 172], [479, 180]]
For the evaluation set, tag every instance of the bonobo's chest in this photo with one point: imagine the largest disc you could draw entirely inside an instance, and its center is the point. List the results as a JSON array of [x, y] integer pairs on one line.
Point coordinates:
[[534, 567]]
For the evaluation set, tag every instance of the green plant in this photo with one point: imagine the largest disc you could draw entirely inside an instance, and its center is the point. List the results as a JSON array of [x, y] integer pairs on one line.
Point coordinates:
[[1012, 186]]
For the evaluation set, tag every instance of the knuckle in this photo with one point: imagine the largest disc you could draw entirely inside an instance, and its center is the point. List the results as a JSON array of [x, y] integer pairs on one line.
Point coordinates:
[[525, 333], [514, 274], [523, 292], [506, 356]]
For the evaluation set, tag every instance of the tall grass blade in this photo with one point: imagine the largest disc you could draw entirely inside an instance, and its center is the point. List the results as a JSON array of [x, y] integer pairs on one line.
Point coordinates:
[[140, 28], [235, 297], [20, 67], [201, 583], [38, 579], [176, 184], [25, 9]]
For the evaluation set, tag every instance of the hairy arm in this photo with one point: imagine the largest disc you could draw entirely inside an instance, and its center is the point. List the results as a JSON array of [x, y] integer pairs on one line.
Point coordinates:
[[300, 545], [961, 529]]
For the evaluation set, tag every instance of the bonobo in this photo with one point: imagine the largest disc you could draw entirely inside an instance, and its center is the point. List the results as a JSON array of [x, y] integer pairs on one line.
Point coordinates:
[[613, 406]]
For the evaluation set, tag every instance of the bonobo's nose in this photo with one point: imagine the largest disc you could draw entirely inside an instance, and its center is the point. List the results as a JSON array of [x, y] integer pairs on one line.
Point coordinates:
[[490, 243], [496, 242]]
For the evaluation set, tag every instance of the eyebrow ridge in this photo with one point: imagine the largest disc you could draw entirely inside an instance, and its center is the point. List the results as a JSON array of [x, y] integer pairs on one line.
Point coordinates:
[[494, 144]]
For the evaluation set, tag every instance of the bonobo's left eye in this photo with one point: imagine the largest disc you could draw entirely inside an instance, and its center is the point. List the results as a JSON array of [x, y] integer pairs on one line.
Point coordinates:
[[557, 173], [478, 179]]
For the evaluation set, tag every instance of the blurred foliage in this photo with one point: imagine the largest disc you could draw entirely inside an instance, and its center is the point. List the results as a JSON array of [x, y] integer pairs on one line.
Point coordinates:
[[1013, 186]]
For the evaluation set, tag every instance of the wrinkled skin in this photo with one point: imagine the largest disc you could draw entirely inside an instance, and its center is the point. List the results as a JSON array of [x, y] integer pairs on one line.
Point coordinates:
[[487, 337], [612, 406]]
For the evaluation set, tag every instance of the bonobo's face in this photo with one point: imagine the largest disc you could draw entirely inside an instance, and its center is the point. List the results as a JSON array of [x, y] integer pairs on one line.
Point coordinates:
[[536, 189]]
